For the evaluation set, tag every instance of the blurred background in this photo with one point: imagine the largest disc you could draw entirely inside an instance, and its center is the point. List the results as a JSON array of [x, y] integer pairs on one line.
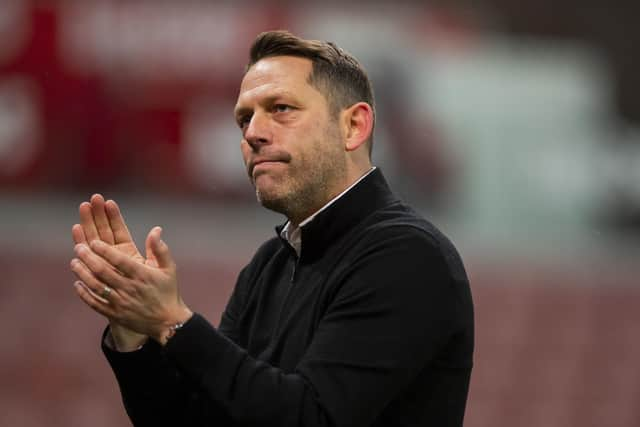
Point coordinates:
[[513, 126]]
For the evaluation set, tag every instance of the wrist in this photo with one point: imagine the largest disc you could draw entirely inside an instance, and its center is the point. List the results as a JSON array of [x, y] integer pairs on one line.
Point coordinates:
[[123, 339], [171, 326]]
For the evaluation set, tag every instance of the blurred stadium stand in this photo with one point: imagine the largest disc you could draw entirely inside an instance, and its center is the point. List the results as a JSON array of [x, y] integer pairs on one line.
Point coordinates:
[[514, 126]]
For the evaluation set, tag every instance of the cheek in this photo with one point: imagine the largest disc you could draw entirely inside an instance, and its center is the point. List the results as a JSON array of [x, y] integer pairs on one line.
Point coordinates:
[[310, 137]]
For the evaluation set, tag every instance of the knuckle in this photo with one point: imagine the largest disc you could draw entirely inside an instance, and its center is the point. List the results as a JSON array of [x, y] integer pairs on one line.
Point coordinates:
[[137, 291], [127, 292], [121, 269], [99, 271], [125, 304]]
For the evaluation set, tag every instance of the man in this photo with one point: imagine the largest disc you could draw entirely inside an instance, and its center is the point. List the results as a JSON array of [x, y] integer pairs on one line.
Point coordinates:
[[358, 313]]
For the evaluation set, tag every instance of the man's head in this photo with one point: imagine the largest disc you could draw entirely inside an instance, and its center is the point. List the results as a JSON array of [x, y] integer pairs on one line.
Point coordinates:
[[337, 74], [306, 112]]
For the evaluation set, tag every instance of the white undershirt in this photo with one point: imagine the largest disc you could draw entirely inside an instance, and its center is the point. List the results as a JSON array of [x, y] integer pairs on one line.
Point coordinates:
[[294, 236]]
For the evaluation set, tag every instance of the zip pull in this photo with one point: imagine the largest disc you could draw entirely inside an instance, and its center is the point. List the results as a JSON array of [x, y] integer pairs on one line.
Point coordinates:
[[295, 267]]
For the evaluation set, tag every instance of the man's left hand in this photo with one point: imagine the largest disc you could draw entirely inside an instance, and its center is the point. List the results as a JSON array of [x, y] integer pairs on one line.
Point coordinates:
[[141, 297]]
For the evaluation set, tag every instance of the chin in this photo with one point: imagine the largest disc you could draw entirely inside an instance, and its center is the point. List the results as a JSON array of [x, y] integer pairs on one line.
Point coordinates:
[[275, 205], [270, 199], [270, 190]]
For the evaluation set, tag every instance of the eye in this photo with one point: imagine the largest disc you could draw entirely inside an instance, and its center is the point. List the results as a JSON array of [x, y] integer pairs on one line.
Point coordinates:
[[243, 121], [282, 108]]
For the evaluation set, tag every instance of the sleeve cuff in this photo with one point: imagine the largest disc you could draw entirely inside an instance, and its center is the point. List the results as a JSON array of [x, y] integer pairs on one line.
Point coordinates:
[[109, 342], [133, 365], [205, 355]]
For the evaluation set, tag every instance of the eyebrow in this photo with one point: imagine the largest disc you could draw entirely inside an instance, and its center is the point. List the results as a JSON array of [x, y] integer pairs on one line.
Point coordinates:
[[241, 111]]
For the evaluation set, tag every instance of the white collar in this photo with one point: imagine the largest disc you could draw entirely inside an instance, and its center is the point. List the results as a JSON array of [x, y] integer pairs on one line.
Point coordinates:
[[294, 236]]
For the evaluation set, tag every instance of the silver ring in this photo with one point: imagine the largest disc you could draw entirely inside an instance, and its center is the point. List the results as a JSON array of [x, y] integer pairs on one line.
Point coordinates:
[[106, 291]]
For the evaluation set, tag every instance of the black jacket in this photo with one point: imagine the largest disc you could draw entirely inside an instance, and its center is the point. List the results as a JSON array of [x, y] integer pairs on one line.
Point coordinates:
[[371, 326]]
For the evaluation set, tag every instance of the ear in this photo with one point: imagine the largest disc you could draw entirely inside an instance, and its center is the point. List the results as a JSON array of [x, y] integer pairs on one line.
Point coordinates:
[[358, 125]]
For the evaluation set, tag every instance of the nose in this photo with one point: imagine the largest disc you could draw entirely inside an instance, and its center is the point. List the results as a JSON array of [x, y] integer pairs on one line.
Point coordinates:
[[257, 132]]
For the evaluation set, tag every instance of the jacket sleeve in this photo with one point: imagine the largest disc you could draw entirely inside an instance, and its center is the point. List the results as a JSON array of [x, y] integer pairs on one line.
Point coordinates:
[[156, 393], [393, 309]]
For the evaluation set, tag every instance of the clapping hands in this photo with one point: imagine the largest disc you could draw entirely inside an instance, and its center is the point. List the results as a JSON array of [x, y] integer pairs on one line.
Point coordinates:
[[138, 295]]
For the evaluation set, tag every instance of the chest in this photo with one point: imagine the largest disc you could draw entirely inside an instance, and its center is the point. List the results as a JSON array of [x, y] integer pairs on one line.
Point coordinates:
[[286, 303]]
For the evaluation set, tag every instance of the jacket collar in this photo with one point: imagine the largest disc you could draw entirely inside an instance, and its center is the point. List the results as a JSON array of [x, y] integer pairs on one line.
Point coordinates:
[[367, 196]]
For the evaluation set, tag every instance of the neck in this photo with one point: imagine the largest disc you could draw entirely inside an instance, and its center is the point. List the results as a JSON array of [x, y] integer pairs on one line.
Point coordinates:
[[296, 220]]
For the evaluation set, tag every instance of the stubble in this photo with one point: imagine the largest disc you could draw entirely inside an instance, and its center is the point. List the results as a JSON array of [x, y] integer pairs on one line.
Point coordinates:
[[311, 179]]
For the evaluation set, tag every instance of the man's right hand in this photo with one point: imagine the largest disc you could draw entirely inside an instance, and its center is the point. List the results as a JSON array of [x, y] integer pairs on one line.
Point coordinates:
[[100, 220]]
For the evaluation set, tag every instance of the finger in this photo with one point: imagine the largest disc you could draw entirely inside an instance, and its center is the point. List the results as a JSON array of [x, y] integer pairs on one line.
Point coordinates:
[[100, 219], [99, 267], [115, 258], [92, 283], [121, 233], [78, 234], [89, 299], [159, 248], [87, 222], [151, 258]]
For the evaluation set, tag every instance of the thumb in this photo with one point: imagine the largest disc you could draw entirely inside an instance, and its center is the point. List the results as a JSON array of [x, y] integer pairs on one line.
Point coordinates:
[[158, 248]]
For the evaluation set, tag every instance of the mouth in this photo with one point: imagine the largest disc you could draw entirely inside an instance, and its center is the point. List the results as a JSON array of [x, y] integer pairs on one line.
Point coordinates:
[[265, 163], [262, 162]]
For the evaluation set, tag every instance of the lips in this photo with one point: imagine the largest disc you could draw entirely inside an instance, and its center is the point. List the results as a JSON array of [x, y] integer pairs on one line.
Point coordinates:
[[263, 162], [279, 158]]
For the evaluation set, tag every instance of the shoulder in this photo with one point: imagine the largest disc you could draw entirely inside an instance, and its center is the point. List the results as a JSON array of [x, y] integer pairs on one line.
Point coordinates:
[[398, 223], [396, 240], [400, 262], [400, 256]]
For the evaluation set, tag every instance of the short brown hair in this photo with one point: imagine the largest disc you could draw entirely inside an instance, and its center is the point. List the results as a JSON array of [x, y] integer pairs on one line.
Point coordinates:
[[336, 73]]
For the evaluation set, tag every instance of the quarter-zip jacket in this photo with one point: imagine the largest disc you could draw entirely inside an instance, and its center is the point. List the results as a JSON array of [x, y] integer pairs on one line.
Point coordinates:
[[371, 326]]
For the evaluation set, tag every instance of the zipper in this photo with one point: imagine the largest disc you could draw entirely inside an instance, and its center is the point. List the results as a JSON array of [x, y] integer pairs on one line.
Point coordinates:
[[295, 268], [276, 332]]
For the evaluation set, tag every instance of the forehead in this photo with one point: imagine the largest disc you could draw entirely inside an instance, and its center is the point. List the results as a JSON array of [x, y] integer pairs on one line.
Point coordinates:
[[274, 75]]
